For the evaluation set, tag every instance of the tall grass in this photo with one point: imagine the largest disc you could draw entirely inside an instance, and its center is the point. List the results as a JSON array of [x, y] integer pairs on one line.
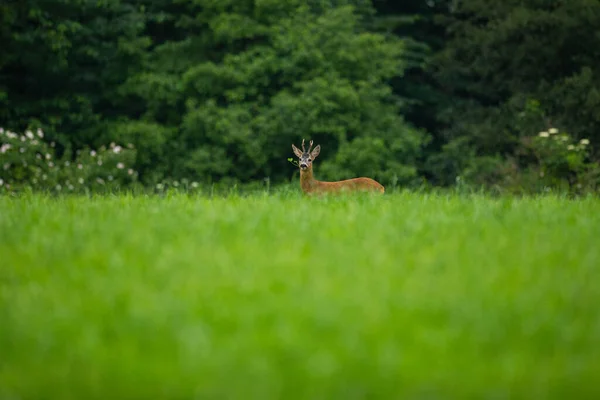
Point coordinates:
[[280, 296]]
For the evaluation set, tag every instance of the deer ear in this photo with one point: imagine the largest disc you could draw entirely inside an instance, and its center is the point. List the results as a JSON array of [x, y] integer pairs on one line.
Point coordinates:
[[297, 151], [315, 152]]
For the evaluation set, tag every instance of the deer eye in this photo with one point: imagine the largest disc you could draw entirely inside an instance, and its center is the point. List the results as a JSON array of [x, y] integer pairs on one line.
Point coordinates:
[[309, 159]]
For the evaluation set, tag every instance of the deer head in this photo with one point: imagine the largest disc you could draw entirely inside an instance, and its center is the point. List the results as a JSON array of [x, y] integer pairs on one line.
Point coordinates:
[[306, 157]]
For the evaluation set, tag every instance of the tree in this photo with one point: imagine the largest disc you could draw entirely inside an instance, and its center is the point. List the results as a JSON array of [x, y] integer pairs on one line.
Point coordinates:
[[63, 62], [248, 79], [416, 23], [501, 57]]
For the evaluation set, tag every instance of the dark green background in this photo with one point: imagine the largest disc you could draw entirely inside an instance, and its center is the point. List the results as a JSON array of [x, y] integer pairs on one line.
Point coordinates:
[[217, 90]]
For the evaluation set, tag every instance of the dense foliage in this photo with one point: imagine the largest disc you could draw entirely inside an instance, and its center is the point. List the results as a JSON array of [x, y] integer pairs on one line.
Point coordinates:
[[30, 162], [513, 69], [210, 91]]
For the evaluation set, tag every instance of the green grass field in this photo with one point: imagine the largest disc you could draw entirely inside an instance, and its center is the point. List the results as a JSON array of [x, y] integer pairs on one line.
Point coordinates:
[[282, 297]]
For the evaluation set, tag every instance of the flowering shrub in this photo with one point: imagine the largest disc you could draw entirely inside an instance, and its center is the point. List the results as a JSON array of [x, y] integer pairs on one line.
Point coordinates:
[[561, 159], [557, 153], [548, 161], [28, 161]]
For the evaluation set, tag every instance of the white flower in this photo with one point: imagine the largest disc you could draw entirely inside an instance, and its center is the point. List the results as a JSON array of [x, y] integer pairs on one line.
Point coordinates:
[[40, 133], [44, 177], [99, 162], [120, 165], [58, 187], [48, 156], [22, 150], [51, 164], [93, 153], [112, 144], [194, 184], [100, 181], [67, 163], [117, 149], [1, 182], [130, 145], [29, 134], [70, 187], [552, 131], [1, 131], [571, 147], [23, 138], [38, 156], [6, 166], [5, 147], [159, 186], [34, 141], [175, 183], [79, 166], [80, 180], [584, 142], [110, 177], [130, 171], [52, 144], [543, 134]]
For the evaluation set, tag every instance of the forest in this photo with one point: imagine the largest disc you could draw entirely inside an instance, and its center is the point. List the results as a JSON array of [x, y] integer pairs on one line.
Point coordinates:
[[502, 96]]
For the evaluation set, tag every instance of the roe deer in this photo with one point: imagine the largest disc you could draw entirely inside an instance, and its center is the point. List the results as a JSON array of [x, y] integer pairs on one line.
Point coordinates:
[[311, 186]]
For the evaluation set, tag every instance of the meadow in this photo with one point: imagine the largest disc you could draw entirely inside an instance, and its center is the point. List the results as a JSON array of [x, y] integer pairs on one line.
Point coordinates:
[[273, 296]]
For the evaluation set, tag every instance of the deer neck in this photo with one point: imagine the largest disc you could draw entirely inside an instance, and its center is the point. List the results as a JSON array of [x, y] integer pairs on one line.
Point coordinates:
[[307, 180]]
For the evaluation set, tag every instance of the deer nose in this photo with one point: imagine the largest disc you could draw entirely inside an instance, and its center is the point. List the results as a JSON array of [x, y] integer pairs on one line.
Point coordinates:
[[303, 165]]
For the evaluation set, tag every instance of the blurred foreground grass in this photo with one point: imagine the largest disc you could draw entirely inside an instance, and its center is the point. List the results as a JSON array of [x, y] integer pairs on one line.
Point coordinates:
[[264, 297]]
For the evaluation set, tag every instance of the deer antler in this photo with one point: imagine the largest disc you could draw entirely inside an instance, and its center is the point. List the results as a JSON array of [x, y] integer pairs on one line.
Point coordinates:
[[310, 147], [304, 151]]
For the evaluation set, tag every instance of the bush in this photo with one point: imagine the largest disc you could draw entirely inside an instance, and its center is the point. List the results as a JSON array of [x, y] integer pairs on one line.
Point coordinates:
[[560, 161], [28, 162], [549, 161]]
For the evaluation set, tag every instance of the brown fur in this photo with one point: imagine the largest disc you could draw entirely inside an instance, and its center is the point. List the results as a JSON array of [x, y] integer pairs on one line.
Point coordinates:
[[312, 186]]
